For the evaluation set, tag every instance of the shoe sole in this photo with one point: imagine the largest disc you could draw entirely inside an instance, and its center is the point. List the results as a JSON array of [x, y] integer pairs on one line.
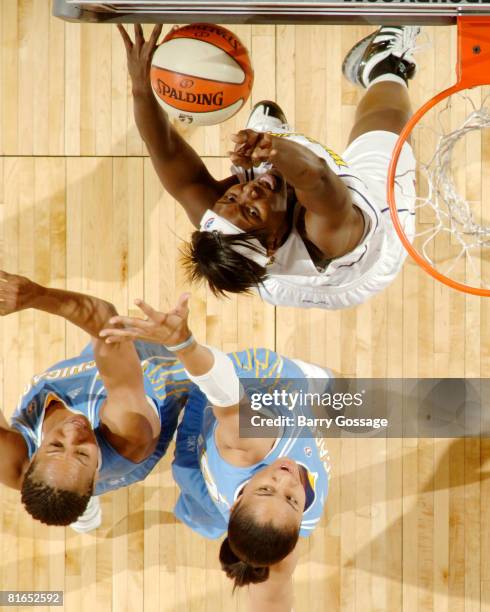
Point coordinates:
[[350, 65]]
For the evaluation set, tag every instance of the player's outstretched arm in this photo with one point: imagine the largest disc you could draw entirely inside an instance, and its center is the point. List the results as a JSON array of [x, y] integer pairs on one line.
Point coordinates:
[[19, 293], [168, 328], [211, 369], [127, 414], [87, 312], [13, 455], [178, 166]]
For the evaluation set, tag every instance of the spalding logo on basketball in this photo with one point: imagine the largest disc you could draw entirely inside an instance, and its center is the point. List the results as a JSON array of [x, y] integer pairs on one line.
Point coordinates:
[[201, 74]]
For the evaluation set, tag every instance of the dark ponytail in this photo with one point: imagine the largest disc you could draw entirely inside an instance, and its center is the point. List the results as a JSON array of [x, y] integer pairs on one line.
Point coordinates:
[[251, 546], [240, 572]]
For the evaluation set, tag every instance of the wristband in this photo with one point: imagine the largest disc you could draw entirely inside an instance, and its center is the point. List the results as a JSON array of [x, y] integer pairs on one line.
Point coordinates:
[[179, 347]]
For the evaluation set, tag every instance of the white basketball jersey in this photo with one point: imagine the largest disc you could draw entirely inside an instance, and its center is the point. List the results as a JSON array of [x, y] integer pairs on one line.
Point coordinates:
[[293, 278]]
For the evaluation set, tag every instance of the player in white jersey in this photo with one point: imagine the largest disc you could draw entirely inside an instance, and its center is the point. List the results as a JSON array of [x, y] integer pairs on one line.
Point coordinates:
[[304, 226]]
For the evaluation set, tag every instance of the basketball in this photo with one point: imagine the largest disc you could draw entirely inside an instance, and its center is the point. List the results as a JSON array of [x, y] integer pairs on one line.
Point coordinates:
[[201, 74]]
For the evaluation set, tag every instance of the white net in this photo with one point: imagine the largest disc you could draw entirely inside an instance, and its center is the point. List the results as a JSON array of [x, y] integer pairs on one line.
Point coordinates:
[[451, 144]]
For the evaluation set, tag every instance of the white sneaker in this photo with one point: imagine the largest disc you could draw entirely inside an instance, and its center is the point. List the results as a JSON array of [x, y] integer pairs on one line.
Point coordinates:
[[90, 519], [267, 116], [389, 50]]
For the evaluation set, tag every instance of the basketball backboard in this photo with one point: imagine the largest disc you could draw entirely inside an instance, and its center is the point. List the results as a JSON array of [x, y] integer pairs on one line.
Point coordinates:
[[267, 11]]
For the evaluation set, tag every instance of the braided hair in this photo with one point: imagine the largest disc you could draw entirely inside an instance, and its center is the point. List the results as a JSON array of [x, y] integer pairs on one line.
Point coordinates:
[[51, 505]]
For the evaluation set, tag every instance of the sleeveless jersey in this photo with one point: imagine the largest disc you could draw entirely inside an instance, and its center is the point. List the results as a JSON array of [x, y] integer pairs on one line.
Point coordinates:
[[209, 485], [349, 280], [77, 384]]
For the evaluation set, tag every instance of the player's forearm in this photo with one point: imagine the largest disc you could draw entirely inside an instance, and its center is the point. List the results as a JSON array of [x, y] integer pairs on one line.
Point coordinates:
[[196, 359], [296, 163], [179, 168], [213, 372], [307, 172], [152, 123], [87, 312]]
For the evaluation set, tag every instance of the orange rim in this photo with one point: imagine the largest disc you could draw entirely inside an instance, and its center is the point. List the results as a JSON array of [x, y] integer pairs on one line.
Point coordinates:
[[471, 30]]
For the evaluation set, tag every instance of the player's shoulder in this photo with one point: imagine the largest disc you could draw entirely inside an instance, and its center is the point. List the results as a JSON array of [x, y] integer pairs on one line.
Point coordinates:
[[257, 361]]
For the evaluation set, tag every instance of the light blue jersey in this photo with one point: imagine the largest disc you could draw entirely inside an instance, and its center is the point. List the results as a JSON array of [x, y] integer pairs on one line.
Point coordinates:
[[77, 384], [210, 485]]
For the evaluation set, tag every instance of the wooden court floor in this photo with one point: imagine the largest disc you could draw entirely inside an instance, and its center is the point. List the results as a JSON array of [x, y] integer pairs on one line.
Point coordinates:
[[407, 523]]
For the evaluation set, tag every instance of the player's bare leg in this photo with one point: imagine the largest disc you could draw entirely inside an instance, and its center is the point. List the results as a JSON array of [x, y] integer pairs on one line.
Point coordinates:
[[374, 113], [383, 63]]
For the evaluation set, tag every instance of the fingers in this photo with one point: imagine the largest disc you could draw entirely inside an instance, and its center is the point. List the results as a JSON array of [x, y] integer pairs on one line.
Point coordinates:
[[151, 313], [240, 160], [262, 151], [130, 322], [251, 148], [155, 35], [266, 139], [139, 39], [111, 335], [118, 340], [239, 138], [182, 307], [264, 145], [245, 138], [242, 149], [258, 157], [128, 43]]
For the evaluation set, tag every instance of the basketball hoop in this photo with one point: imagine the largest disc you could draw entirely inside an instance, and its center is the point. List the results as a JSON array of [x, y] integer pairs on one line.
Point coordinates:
[[452, 239]]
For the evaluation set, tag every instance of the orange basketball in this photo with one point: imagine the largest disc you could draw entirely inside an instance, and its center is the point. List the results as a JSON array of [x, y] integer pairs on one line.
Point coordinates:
[[201, 74]]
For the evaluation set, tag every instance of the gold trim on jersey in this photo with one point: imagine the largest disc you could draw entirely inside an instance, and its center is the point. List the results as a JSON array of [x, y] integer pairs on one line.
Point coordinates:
[[335, 156]]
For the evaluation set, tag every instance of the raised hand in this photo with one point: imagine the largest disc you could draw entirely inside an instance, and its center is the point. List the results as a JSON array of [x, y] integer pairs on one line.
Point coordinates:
[[252, 148], [16, 293], [169, 328], [139, 54]]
